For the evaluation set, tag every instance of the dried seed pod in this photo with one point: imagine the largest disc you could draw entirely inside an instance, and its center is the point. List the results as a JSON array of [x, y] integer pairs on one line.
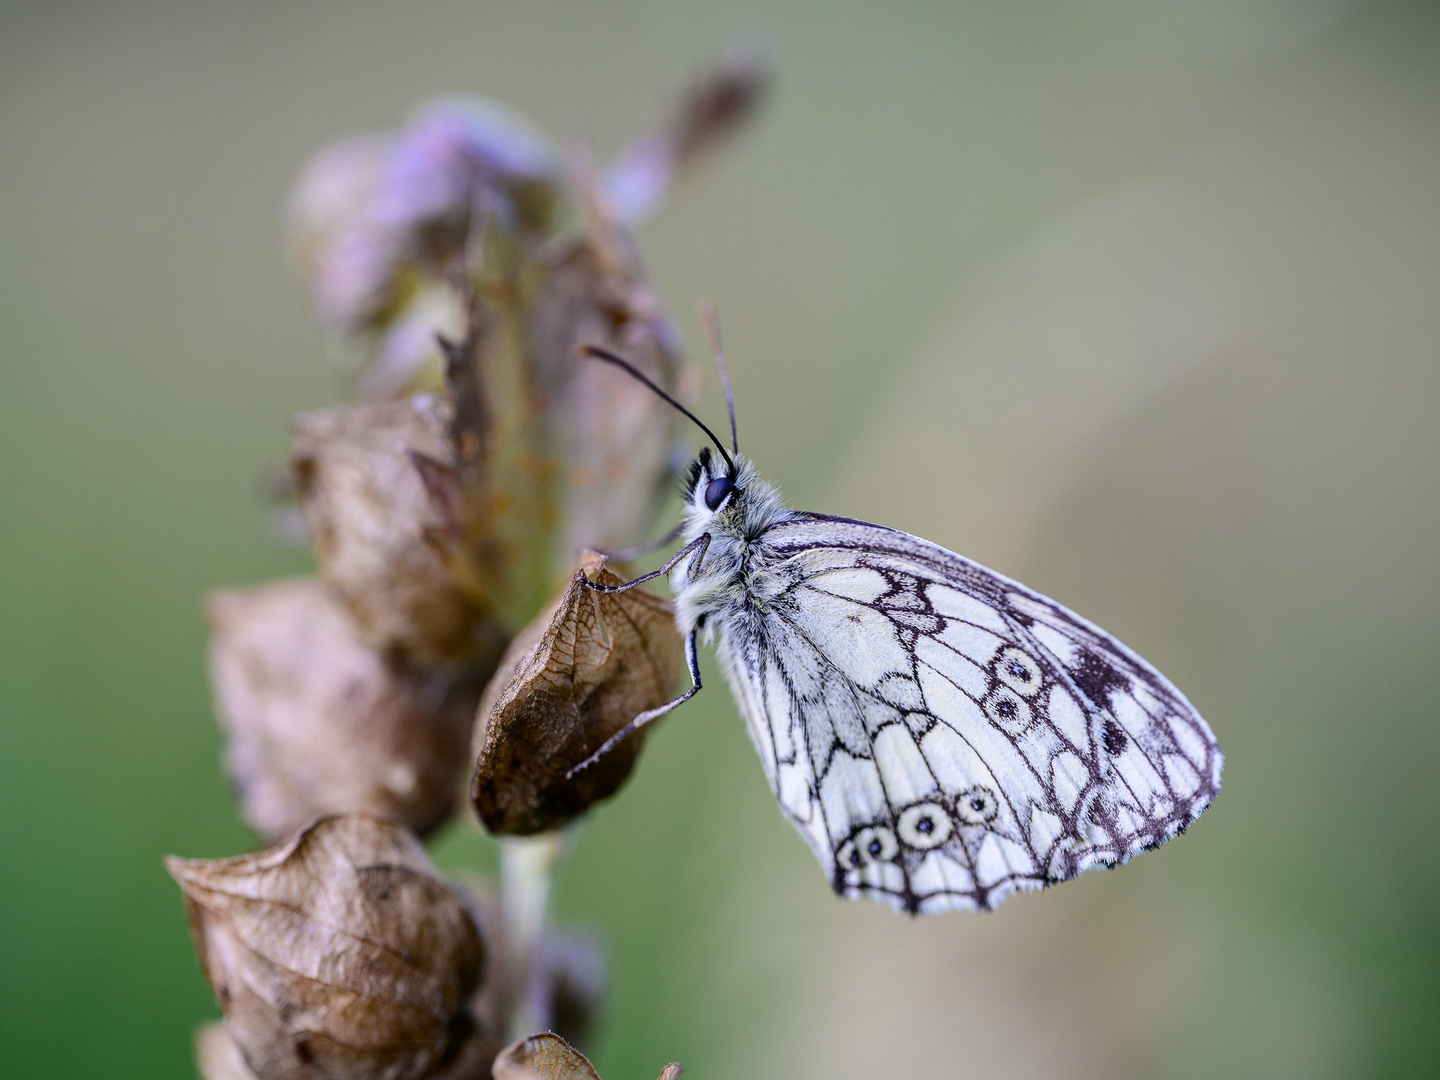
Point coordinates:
[[384, 534], [218, 1058], [543, 1057], [340, 953], [549, 1057], [317, 722], [580, 672]]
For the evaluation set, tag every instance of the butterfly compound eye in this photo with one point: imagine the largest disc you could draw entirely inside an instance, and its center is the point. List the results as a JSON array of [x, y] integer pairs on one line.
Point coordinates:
[[717, 491]]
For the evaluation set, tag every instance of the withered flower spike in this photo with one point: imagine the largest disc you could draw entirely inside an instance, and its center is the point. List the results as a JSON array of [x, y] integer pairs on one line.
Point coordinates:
[[580, 672], [340, 953]]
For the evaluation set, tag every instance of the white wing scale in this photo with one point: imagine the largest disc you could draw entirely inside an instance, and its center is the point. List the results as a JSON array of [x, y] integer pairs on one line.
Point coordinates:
[[943, 736]]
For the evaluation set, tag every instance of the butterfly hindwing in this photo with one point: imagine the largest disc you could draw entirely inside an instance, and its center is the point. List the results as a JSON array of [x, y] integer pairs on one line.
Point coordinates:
[[942, 735]]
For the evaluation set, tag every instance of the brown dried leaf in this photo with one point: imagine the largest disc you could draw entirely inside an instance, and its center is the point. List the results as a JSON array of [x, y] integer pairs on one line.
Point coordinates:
[[543, 1057], [576, 675], [318, 723], [385, 540], [341, 953]]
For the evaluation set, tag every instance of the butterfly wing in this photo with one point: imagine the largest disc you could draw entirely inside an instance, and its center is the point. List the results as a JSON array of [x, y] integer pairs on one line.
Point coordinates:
[[942, 735]]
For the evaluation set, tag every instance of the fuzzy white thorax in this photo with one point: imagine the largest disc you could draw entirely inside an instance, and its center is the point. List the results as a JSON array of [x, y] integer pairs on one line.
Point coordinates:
[[715, 588]]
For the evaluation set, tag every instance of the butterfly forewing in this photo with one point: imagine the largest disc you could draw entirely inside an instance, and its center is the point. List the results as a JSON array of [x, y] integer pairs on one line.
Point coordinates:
[[942, 735]]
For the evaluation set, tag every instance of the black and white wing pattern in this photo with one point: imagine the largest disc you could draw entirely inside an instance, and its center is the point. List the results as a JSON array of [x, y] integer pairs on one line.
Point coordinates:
[[943, 736]]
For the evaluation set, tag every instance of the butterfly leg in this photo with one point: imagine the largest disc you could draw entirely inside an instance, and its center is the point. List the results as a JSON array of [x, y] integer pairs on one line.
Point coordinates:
[[692, 659], [698, 545]]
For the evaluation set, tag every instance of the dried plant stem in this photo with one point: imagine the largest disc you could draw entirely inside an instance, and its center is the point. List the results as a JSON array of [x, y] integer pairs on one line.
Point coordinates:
[[527, 865]]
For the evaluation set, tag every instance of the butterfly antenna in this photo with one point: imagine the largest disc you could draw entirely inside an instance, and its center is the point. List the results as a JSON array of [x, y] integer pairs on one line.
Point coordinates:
[[624, 365], [712, 331]]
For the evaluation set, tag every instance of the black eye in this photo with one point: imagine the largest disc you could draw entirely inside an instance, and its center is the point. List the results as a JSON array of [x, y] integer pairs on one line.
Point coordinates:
[[717, 490]]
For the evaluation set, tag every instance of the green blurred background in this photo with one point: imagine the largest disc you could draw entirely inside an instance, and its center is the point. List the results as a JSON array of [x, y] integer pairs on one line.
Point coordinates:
[[1138, 302]]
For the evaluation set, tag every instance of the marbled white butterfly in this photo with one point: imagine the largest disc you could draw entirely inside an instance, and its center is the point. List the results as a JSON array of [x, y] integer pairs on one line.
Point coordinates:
[[940, 735]]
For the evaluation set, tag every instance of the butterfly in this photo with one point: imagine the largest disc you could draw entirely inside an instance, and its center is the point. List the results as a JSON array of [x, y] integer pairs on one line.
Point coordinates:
[[939, 734]]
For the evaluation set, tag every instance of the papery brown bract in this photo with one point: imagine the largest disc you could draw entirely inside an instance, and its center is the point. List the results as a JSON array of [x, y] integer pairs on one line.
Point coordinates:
[[217, 1057], [316, 722], [580, 672], [547, 1056], [340, 953], [543, 1057], [382, 540]]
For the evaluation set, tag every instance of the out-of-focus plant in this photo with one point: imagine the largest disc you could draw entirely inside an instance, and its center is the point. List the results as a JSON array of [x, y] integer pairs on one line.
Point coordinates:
[[459, 263], [341, 952], [572, 679]]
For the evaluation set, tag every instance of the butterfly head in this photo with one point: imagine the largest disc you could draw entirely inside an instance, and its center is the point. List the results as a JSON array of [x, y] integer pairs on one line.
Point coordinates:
[[728, 496], [711, 485]]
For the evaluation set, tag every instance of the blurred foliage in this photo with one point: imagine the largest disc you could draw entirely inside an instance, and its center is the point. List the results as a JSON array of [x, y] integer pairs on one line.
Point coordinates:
[[1133, 302]]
